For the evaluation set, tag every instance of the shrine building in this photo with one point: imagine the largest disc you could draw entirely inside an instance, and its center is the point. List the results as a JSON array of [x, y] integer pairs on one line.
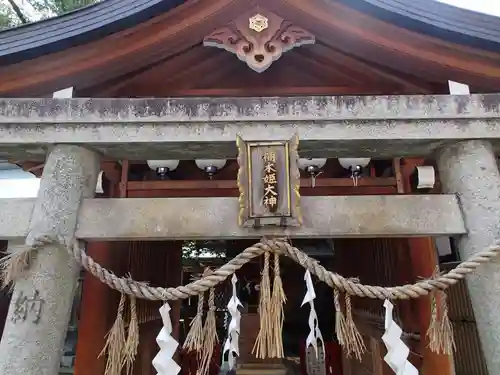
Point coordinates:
[[357, 138]]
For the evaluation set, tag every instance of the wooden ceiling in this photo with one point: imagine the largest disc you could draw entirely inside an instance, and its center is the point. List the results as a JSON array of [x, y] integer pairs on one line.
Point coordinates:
[[354, 53], [308, 70]]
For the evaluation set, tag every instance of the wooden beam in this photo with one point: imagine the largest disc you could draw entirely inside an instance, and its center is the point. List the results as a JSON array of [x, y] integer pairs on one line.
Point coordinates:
[[278, 91], [216, 218], [305, 192], [231, 184]]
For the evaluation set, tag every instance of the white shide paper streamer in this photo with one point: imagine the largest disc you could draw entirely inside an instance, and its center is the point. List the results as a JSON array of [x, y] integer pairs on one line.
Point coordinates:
[[233, 331], [314, 333], [163, 362], [397, 351]]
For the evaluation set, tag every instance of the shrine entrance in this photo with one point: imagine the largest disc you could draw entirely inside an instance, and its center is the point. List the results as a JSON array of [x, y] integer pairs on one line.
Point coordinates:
[[385, 262], [295, 327]]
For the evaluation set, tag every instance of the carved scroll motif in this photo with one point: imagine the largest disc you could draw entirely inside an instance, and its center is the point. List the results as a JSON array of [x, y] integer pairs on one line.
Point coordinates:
[[259, 40]]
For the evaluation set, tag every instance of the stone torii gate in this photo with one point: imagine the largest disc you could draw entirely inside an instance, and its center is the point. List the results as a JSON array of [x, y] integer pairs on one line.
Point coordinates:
[[463, 132]]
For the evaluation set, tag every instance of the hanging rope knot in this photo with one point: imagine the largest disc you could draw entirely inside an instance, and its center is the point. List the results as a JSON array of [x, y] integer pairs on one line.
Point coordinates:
[[20, 257]]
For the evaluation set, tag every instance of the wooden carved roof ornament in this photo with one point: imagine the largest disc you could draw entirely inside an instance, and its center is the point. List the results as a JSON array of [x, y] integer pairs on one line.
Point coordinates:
[[259, 39]]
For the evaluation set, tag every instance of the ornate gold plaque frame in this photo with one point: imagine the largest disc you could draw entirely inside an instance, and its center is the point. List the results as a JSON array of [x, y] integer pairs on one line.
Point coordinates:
[[251, 211]]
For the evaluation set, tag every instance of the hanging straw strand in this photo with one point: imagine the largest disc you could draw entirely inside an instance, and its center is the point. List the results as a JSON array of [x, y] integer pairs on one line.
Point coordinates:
[[262, 344], [115, 341], [445, 328], [194, 338], [353, 340], [277, 312], [132, 343], [340, 322], [440, 331], [433, 330], [210, 337]]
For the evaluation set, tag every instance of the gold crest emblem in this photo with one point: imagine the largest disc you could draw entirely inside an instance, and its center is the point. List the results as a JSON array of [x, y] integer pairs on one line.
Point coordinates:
[[258, 23]]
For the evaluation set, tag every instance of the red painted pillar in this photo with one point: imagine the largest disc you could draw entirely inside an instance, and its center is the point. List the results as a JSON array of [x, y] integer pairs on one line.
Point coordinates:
[[174, 280], [424, 260], [95, 314]]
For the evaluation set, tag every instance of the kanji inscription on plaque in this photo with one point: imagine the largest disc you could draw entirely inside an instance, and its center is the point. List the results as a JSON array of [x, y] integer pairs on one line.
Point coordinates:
[[271, 196], [269, 183]]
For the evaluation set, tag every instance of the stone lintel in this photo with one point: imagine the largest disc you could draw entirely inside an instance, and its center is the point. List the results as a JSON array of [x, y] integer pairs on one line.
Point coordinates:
[[190, 128], [283, 109], [216, 218]]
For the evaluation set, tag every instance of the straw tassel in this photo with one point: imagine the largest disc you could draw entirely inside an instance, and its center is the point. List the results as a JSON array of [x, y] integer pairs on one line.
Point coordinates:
[[261, 348], [210, 337], [278, 300], [13, 265], [433, 330], [440, 332], [132, 343], [115, 341], [194, 339], [446, 329], [340, 322], [353, 340]]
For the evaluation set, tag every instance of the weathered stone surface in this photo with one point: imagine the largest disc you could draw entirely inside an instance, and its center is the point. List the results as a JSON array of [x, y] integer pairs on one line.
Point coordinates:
[[15, 217], [29, 347], [470, 170], [182, 110], [210, 218], [207, 127]]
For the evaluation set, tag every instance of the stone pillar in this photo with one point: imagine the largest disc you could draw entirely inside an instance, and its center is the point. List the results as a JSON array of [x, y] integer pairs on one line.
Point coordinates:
[[32, 343], [470, 170]]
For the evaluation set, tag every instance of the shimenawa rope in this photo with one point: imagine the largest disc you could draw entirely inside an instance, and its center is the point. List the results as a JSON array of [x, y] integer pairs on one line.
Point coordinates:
[[334, 280]]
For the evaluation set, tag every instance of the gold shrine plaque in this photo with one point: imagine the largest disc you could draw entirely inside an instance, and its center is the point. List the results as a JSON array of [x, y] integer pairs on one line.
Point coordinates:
[[269, 183]]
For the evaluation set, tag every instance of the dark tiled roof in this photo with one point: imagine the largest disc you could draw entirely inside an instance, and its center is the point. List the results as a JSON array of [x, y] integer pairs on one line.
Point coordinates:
[[77, 27], [433, 18], [96, 21]]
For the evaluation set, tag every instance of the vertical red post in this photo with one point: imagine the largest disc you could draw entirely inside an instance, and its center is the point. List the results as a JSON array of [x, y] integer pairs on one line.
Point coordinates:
[[97, 308], [95, 314], [174, 280], [424, 260]]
